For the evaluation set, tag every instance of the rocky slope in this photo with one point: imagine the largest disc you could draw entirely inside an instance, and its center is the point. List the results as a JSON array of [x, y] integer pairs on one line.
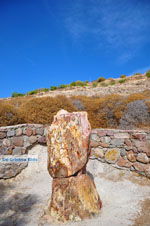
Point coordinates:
[[133, 84]]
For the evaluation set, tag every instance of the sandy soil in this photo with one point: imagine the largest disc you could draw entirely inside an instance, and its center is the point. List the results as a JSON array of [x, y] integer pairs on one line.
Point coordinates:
[[125, 195]]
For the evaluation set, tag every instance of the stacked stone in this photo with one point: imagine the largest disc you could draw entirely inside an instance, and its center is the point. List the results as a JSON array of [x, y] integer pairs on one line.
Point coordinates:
[[125, 149], [74, 195], [17, 140]]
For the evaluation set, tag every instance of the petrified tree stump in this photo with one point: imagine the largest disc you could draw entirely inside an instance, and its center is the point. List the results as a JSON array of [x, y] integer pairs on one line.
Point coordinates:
[[74, 195]]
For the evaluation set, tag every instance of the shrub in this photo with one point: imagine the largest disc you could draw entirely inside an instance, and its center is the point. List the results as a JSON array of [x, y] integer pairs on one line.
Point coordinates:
[[94, 84], [122, 81], [32, 92], [123, 76], [78, 104], [15, 94], [101, 79], [53, 88], [62, 86], [148, 74], [136, 115], [138, 73], [104, 84], [78, 83], [44, 90], [9, 115], [112, 82], [42, 110]]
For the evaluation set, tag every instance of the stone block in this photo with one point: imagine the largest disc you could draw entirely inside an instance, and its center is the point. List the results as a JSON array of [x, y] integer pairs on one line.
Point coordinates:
[[10, 133], [40, 131], [97, 152], [32, 139], [18, 141], [19, 132], [2, 135], [131, 156], [112, 155], [68, 143], [142, 157], [74, 198], [124, 163]]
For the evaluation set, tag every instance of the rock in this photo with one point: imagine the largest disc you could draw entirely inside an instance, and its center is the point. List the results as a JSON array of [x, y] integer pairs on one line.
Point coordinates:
[[94, 143], [139, 136], [105, 140], [18, 132], [27, 143], [104, 145], [128, 142], [131, 156], [40, 131], [29, 132], [42, 140], [9, 170], [2, 135], [122, 152], [74, 198], [10, 133], [147, 170], [17, 151], [101, 133], [142, 157], [32, 139], [124, 163], [110, 133], [97, 152], [3, 150], [18, 141], [68, 141], [139, 166], [95, 137], [117, 142], [112, 155], [147, 148], [6, 142], [121, 135]]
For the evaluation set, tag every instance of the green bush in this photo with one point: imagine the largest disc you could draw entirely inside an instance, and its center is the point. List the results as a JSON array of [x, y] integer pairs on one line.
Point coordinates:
[[104, 84], [15, 94], [94, 84], [138, 73], [123, 76], [32, 92], [148, 74], [62, 86], [53, 88], [44, 90], [112, 82], [78, 83], [101, 79], [122, 81]]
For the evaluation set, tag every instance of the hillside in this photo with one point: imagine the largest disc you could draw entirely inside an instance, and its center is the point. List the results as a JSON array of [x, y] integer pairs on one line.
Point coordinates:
[[111, 103], [133, 84]]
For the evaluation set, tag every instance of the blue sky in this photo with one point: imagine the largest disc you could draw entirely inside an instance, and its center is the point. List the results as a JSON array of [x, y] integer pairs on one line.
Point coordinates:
[[51, 42]]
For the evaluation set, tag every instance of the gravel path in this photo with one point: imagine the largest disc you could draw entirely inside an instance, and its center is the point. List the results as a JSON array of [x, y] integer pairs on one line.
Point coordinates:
[[24, 198]]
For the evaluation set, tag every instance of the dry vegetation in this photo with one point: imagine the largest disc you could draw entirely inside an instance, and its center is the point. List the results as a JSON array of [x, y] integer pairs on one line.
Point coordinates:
[[113, 111]]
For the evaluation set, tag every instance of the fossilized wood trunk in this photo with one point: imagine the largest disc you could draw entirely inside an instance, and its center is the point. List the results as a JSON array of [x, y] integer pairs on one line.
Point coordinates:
[[68, 140], [74, 195], [74, 198]]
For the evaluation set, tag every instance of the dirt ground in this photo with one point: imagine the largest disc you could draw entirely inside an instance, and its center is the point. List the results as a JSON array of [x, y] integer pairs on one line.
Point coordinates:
[[125, 196]]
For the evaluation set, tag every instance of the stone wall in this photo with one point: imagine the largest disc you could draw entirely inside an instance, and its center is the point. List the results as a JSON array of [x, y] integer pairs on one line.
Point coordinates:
[[124, 149], [16, 141]]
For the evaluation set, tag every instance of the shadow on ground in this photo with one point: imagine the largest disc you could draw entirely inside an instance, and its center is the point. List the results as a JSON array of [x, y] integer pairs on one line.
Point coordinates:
[[14, 206]]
